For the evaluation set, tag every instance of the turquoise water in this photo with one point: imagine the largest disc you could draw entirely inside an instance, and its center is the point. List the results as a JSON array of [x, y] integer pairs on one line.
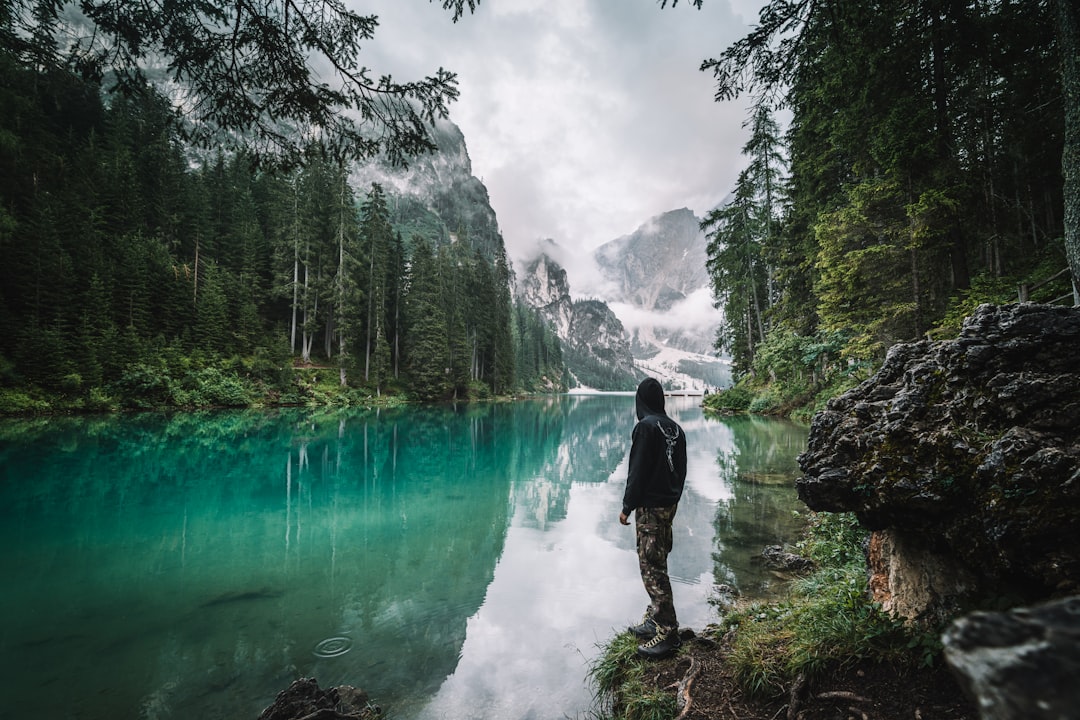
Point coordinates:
[[454, 562]]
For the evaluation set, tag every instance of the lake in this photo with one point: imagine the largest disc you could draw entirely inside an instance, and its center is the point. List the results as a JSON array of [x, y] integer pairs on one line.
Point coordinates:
[[454, 562]]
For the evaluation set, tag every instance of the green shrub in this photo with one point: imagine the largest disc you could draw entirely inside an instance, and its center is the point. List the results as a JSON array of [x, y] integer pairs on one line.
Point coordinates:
[[17, 402], [765, 403], [734, 399], [834, 540], [210, 386], [479, 390], [142, 386], [100, 401], [828, 621]]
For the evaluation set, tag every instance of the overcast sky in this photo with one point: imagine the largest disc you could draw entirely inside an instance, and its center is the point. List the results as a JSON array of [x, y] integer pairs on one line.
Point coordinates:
[[583, 118]]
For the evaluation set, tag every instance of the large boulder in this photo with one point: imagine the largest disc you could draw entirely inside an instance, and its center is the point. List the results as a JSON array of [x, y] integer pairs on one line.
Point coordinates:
[[964, 457], [1022, 664]]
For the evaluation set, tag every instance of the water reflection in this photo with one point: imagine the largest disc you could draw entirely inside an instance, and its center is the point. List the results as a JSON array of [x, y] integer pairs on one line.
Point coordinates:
[[454, 562], [759, 466]]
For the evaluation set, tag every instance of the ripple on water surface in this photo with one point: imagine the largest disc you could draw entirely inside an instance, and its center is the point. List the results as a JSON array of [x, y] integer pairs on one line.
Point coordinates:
[[333, 647]]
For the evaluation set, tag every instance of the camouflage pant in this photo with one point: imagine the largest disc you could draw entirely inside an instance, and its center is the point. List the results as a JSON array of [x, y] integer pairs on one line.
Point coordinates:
[[653, 545]]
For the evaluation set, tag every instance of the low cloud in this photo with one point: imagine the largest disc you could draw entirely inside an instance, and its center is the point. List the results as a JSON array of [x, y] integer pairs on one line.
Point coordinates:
[[696, 312]]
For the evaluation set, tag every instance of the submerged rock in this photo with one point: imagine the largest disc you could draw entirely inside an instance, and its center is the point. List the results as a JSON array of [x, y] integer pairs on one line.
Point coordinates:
[[779, 559], [964, 457], [305, 699], [1022, 664]]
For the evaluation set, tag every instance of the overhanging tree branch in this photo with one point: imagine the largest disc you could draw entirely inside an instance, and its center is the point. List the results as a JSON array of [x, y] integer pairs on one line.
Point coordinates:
[[246, 74]]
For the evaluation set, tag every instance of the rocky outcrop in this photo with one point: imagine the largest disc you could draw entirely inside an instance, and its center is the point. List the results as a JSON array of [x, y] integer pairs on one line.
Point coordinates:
[[543, 285], [1022, 664], [436, 194], [779, 559], [964, 457], [597, 340]]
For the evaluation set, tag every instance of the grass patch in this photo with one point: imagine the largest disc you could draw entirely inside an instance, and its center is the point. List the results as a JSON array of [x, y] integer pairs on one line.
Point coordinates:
[[828, 621], [621, 689]]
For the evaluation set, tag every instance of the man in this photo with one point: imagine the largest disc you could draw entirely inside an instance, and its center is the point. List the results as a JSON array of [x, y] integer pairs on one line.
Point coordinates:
[[654, 485]]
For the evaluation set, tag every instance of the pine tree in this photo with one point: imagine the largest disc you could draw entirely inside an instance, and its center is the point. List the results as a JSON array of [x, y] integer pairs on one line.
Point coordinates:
[[395, 287], [503, 360], [910, 122], [347, 293], [451, 266], [743, 245], [427, 352], [377, 238]]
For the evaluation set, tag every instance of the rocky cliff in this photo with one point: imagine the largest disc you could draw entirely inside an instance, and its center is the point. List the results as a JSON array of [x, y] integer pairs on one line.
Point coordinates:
[[963, 457], [544, 286], [437, 194], [596, 349]]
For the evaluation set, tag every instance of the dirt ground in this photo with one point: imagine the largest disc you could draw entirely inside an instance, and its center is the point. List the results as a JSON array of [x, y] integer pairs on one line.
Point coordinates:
[[866, 691]]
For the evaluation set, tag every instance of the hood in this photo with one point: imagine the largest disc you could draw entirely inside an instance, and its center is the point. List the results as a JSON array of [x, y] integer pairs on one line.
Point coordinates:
[[650, 398]]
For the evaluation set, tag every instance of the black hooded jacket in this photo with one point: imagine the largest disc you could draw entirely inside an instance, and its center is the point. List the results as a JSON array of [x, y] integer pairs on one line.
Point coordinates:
[[657, 454]]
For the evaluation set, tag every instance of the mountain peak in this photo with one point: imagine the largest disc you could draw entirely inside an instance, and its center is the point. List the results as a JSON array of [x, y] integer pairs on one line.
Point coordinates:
[[659, 264]]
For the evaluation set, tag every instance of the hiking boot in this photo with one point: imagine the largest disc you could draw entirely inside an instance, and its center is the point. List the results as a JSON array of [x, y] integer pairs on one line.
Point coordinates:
[[646, 630], [662, 645]]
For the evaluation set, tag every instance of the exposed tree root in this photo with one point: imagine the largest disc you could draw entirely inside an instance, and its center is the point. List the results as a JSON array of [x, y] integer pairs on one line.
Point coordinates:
[[795, 697], [682, 692], [841, 695]]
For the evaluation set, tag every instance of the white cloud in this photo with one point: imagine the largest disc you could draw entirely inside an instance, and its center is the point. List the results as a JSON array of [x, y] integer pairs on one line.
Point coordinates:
[[583, 118], [695, 312]]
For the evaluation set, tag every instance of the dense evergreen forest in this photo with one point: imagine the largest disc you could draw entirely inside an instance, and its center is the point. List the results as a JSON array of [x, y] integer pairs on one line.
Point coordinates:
[[921, 174], [142, 271]]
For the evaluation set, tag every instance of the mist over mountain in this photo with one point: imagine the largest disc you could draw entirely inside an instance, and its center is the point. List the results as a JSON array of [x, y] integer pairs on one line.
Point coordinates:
[[655, 280], [658, 272], [437, 194]]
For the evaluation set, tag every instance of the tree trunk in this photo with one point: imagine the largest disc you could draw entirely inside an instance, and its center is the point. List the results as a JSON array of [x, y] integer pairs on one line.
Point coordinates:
[[371, 293], [397, 335], [195, 292], [306, 335], [1069, 42], [751, 269], [342, 323], [296, 269], [328, 334]]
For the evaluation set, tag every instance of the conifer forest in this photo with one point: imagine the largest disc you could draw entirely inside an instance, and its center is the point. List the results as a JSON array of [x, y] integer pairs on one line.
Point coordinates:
[[929, 165], [148, 262]]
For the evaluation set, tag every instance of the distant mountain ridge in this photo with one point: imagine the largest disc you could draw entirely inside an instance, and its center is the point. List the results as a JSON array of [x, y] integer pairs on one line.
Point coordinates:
[[659, 264], [657, 269], [657, 281]]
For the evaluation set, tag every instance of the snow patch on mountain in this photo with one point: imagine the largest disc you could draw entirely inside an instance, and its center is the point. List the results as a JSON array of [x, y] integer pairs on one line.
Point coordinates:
[[682, 370]]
